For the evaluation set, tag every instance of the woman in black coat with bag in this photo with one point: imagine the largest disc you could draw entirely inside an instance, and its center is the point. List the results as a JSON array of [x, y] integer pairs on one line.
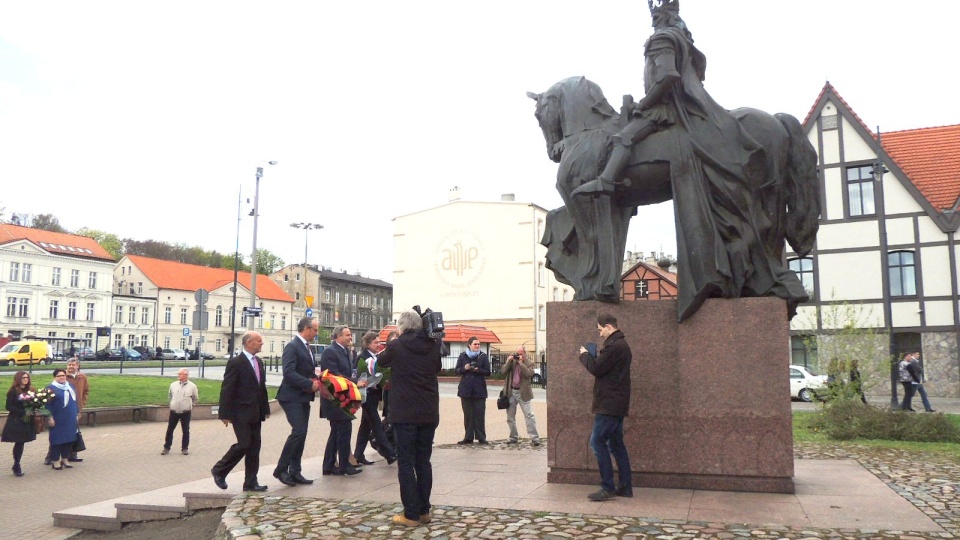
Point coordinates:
[[473, 366], [16, 429]]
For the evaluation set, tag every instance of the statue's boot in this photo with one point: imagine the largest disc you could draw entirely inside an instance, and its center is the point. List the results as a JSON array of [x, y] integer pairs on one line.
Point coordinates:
[[598, 186]]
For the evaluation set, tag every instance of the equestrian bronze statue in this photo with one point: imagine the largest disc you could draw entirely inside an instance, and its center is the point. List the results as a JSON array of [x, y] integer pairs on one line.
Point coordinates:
[[742, 181]]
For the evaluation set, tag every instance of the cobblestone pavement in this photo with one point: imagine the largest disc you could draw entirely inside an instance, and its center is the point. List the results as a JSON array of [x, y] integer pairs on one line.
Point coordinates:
[[929, 481]]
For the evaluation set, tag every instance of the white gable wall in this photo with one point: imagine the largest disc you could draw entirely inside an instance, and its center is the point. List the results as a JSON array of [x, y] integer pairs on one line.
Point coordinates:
[[850, 276]]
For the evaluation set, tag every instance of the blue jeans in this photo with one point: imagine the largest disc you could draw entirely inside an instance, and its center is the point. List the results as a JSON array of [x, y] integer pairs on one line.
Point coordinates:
[[607, 440], [414, 471], [918, 388]]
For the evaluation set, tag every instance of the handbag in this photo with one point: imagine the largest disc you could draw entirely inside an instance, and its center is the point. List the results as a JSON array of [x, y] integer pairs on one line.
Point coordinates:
[[78, 445], [503, 401]]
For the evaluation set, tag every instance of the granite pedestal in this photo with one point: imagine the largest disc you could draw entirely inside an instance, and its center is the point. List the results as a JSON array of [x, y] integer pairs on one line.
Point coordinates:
[[710, 405]]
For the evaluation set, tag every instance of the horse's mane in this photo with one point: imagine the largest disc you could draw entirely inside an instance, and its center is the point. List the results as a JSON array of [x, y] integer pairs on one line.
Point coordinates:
[[582, 103]]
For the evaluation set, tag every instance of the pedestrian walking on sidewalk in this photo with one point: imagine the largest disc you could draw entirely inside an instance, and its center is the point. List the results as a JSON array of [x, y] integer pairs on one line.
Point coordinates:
[[297, 390], [18, 430], [473, 366], [183, 395]]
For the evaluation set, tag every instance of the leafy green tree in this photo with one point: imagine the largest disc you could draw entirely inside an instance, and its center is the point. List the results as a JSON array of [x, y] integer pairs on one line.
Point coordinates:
[[47, 222], [108, 241], [267, 262]]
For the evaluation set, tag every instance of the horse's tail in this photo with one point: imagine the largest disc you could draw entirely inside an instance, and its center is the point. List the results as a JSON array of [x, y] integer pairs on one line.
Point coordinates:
[[802, 188]]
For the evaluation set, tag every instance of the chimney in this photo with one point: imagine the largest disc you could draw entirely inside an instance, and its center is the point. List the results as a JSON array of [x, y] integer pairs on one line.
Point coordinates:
[[454, 194], [508, 197]]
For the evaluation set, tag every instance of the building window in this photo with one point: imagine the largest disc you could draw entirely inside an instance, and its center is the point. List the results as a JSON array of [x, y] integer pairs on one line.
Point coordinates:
[[168, 315], [92, 280], [183, 343], [143, 340], [903, 273], [354, 299], [166, 343], [641, 288], [298, 276], [90, 307], [139, 287], [803, 351], [273, 321], [218, 345], [541, 318], [326, 295], [55, 280], [131, 341], [218, 317], [183, 315], [54, 308], [286, 277], [860, 191], [11, 307], [119, 315], [338, 298], [803, 267], [117, 341], [298, 296], [14, 271], [132, 317], [145, 316], [131, 288], [27, 272], [74, 278], [541, 275], [283, 322], [353, 318]]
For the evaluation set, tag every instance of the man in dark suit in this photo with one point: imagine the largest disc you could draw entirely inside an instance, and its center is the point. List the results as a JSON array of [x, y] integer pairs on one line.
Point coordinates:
[[336, 359], [295, 394], [243, 401]]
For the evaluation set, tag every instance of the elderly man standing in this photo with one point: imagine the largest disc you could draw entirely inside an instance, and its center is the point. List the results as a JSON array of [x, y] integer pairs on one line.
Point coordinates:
[[183, 395], [296, 391], [243, 402], [336, 359], [519, 370]]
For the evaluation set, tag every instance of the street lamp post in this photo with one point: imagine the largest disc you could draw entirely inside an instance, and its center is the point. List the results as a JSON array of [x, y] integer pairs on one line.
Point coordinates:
[[306, 230], [253, 258]]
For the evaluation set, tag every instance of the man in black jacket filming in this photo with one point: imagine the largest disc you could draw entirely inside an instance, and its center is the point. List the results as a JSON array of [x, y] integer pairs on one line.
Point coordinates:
[[611, 403]]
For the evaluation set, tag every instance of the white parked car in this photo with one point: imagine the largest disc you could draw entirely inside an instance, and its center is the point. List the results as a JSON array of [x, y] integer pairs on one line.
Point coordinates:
[[804, 382], [174, 354]]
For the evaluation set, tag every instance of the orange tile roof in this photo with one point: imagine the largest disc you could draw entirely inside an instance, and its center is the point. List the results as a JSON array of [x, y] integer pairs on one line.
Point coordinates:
[[454, 333], [54, 242], [190, 277], [930, 157]]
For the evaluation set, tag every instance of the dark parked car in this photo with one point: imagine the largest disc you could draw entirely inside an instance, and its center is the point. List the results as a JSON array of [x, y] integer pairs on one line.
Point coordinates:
[[116, 354], [148, 353], [86, 353], [206, 355]]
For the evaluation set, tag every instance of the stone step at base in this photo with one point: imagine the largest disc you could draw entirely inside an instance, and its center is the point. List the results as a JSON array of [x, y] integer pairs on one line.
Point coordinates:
[[130, 512], [205, 501], [101, 516]]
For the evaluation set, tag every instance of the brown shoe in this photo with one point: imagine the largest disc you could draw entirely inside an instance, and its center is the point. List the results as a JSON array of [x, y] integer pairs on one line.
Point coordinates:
[[165, 451], [426, 518], [401, 519]]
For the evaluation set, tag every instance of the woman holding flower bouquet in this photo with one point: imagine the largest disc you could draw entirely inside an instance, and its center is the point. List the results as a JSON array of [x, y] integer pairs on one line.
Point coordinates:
[[64, 414], [19, 427]]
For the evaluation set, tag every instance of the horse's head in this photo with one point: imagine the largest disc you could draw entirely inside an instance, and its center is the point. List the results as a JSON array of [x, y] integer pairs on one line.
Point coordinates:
[[548, 116], [570, 107]]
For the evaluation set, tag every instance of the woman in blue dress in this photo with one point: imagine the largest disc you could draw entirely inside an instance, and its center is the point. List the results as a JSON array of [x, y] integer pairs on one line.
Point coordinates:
[[64, 415]]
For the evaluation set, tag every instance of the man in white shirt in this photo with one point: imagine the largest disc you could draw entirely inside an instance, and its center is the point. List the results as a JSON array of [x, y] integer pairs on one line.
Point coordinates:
[[183, 395]]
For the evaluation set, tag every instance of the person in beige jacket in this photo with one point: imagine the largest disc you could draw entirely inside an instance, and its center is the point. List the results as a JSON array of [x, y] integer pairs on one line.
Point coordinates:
[[183, 395], [518, 370]]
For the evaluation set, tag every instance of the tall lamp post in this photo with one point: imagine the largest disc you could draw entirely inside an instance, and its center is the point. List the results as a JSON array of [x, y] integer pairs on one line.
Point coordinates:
[[253, 258], [306, 231]]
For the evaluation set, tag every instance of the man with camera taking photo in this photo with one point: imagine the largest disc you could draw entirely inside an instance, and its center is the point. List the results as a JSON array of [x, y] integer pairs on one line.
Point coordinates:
[[518, 371]]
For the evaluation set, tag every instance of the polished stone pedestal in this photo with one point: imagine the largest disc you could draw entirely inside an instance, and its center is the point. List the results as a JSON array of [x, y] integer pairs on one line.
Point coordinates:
[[710, 405]]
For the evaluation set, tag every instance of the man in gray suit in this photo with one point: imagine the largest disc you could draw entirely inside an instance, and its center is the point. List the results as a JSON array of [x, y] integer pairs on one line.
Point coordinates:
[[336, 359], [295, 394]]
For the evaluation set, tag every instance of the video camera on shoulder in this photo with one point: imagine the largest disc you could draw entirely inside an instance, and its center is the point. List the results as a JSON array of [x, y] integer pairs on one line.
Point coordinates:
[[432, 322]]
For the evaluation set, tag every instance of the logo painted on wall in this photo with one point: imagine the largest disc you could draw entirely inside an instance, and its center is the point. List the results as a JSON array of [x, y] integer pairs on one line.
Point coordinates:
[[460, 259]]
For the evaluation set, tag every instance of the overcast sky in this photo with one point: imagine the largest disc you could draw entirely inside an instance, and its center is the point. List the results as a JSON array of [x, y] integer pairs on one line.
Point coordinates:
[[147, 119]]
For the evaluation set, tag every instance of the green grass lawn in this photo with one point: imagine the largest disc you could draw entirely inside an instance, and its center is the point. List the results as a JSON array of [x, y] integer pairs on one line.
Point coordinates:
[[804, 432], [120, 390]]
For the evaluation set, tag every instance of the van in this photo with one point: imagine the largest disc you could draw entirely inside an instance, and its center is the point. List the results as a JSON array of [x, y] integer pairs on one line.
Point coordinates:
[[317, 349], [25, 352]]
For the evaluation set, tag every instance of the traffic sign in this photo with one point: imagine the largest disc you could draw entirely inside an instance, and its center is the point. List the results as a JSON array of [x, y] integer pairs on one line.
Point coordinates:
[[201, 296], [309, 312], [186, 331], [253, 311]]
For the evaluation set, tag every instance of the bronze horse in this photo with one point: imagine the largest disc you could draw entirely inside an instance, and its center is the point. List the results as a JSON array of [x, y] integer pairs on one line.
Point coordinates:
[[585, 238]]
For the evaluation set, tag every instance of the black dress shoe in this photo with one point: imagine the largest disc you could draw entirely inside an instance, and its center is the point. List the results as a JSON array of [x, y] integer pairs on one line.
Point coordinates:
[[465, 441], [328, 473], [350, 470], [298, 478], [220, 481], [255, 487], [75, 460], [364, 461], [284, 478]]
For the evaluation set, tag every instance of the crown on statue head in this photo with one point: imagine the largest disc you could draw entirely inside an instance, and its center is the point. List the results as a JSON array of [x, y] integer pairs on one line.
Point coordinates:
[[664, 5]]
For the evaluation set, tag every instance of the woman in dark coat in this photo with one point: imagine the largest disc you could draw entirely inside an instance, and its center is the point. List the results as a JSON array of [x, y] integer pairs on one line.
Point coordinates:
[[16, 429], [63, 420], [473, 367]]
